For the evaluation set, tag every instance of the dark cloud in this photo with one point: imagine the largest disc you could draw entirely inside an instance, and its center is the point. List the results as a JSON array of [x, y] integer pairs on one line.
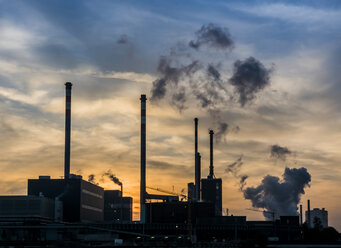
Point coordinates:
[[249, 77], [279, 152], [221, 131], [280, 196], [234, 167], [212, 35], [91, 178], [242, 182], [112, 177]]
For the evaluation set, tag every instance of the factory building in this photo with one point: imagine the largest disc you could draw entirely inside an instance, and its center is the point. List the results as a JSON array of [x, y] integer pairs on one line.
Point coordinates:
[[81, 201], [317, 213], [117, 209], [27, 206]]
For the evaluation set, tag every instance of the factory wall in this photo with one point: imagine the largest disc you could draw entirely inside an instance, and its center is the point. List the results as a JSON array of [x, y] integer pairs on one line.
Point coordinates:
[[117, 208], [26, 206], [211, 191], [82, 201]]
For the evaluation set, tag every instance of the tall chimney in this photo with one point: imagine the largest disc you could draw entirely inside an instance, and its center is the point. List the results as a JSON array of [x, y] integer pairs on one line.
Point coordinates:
[[211, 175], [308, 215], [197, 176], [68, 87], [301, 215], [143, 160], [196, 163]]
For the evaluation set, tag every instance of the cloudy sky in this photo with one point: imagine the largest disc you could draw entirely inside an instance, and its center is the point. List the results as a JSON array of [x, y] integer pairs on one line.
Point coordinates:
[[114, 51]]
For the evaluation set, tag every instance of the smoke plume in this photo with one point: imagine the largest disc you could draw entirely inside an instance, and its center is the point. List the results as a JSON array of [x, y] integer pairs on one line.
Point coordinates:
[[279, 152], [234, 168], [212, 35], [112, 177], [249, 77], [280, 196], [91, 178], [222, 131]]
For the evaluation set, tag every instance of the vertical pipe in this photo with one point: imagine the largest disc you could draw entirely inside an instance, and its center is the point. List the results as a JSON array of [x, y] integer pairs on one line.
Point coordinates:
[[308, 221], [211, 175], [196, 164], [143, 160], [301, 215], [197, 177], [68, 87]]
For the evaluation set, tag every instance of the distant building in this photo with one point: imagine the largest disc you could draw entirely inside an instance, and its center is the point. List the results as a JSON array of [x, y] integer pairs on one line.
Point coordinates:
[[191, 191], [27, 206], [320, 214], [211, 191], [117, 208], [81, 201]]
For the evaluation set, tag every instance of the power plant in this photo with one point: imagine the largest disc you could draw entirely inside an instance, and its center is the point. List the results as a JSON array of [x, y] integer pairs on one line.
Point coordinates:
[[72, 209]]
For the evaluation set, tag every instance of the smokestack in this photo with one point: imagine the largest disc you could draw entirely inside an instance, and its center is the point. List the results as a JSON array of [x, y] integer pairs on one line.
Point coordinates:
[[211, 175], [197, 176], [143, 160], [195, 137], [308, 215], [301, 215], [197, 167], [68, 87]]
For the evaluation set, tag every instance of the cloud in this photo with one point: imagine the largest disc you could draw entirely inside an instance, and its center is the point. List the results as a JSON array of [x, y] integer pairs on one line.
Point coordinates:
[[279, 152], [249, 77], [280, 196]]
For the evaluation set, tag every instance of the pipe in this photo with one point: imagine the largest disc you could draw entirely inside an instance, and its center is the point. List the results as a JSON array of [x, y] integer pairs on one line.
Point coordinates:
[[308, 221], [211, 175], [68, 87], [301, 215], [197, 168], [197, 176], [143, 160]]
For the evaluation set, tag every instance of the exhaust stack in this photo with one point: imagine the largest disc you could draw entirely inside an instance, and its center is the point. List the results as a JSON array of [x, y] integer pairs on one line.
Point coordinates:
[[143, 160], [68, 87], [197, 161], [301, 215], [308, 221], [211, 175]]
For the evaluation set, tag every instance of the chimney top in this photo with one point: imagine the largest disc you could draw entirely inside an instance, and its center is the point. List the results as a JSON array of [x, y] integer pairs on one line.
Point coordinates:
[[68, 85], [143, 97]]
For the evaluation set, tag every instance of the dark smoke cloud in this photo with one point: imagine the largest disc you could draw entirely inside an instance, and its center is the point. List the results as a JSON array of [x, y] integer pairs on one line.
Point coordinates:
[[212, 35], [171, 76], [249, 77], [242, 182], [222, 131], [91, 178], [279, 152], [112, 177], [280, 196], [234, 168], [122, 40]]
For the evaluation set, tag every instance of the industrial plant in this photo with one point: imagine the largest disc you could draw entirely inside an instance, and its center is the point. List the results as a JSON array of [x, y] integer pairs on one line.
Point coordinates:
[[71, 210]]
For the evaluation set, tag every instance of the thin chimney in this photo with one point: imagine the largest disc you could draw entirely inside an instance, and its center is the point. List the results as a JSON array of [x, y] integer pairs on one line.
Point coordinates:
[[143, 160], [197, 166], [68, 87], [211, 175], [308, 215], [301, 215]]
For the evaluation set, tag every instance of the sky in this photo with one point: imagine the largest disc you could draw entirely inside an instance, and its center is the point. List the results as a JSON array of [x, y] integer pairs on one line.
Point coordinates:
[[114, 51]]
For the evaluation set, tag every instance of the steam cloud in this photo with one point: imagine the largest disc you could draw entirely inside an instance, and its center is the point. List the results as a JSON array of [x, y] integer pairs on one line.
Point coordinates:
[[249, 77], [279, 152], [280, 196], [212, 35], [112, 177]]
